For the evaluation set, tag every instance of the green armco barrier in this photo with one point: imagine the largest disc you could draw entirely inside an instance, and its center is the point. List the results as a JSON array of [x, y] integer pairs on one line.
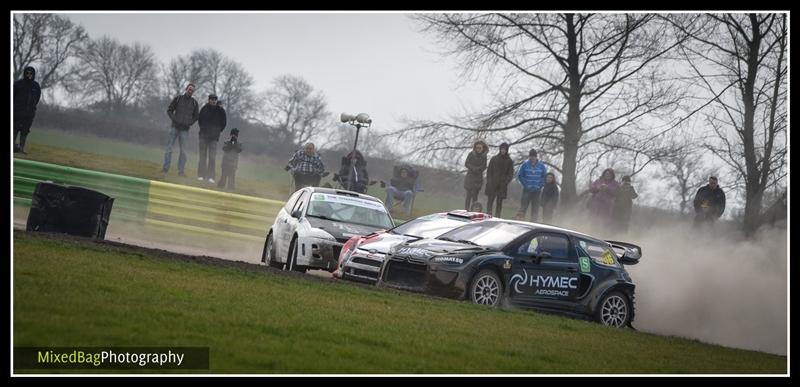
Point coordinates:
[[154, 203], [129, 193]]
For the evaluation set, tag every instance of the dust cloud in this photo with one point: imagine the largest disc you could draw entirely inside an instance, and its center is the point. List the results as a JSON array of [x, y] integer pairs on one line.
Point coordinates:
[[711, 284]]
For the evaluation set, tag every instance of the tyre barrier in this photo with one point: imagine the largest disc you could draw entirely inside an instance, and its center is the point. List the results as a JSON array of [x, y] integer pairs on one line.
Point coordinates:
[[156, 203]]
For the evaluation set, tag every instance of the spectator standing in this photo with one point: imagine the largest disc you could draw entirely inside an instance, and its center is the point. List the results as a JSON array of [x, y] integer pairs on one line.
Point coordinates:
[[27, 93], [623, 204], [709, 203], [550, 195], [476, 164], [499, 173], [306, 167], [212, 121], [604, 193], [183, 112], [531, 175]]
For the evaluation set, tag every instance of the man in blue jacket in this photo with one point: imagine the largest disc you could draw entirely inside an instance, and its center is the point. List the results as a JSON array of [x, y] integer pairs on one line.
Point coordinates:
[[531, 175]]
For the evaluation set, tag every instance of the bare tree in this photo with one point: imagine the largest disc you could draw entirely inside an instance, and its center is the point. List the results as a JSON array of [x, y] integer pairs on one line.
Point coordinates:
[[177, 74], [114, 74], [684, 171], [740, 61], [46, 41], [293, 111], [567, 82], [212, 73]]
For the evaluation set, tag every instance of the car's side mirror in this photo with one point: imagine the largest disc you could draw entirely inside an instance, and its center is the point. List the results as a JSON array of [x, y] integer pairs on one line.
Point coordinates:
[[629, 258], [297, 214], [543, 255]]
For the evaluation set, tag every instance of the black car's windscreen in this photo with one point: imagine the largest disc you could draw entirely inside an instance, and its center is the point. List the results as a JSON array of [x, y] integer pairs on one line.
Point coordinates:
[[429, 226], [490, 234], [349, 209]]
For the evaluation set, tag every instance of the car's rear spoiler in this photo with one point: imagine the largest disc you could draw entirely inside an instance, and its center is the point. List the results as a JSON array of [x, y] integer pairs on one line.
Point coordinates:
[[627, 253]]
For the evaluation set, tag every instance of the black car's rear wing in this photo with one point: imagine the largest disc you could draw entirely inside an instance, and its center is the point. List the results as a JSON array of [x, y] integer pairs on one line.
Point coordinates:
[[627, 253]]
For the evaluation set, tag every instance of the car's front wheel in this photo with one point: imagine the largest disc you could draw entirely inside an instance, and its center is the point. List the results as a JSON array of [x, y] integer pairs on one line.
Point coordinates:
[[614, 310], [292, 261], [486, 288], [268, 255]]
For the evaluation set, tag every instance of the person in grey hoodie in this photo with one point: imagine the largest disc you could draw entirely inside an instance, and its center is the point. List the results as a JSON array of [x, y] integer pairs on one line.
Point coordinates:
[[26, 96], [183, 112]]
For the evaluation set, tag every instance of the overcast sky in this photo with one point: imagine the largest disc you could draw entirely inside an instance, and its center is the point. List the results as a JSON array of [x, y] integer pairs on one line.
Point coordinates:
[[376, 63]]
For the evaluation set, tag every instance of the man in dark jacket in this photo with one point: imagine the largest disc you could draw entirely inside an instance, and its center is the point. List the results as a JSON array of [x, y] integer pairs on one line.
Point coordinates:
[[476, 164], [498, 175], [623, 204], [26, 96], [549, 197], [212, 122], [230, 161], [709, 203], [183, 112]]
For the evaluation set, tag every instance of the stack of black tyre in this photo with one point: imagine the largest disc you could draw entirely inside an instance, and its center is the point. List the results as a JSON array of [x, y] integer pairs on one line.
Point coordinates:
[[70, 210]]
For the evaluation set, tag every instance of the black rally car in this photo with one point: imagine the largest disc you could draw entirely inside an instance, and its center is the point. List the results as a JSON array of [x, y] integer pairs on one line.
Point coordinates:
[[529, 265]]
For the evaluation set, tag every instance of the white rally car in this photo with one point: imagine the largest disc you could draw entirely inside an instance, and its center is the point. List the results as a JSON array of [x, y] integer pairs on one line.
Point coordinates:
[[314, 224]]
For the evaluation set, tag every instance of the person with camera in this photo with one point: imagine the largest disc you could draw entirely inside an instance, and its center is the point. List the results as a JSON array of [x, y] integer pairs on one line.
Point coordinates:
[[230, 161], [306, 167]]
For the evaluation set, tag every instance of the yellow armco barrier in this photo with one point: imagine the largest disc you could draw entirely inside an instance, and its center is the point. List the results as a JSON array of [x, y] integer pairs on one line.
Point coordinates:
[[212, 212]]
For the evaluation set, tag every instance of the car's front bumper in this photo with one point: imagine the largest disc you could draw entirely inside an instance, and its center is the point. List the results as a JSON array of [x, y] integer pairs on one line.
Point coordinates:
[[317, 253], [362, 266], [419, 276]]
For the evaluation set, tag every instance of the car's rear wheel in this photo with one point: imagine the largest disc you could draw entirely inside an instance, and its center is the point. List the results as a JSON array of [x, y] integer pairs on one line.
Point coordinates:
[[486, 288], [292, 262], [268, 255], [614, 310]]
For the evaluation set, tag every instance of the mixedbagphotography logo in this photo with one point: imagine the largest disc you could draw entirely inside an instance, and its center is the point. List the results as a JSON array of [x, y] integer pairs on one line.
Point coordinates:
[[111, 357]]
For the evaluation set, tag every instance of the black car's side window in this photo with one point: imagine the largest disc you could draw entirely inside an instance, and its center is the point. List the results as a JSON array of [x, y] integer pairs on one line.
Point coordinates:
[[599, 253], [554, 244]]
